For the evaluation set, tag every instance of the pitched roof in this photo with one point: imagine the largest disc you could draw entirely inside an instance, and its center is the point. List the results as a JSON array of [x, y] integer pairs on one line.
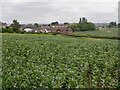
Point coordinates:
[[62, 28]]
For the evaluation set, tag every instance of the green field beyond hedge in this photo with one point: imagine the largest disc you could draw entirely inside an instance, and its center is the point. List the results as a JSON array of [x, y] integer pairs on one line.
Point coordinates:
[[35, 60], [108, 32]]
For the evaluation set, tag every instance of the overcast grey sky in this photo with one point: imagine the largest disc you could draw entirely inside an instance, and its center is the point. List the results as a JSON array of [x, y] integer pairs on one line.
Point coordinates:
[[46, 11]]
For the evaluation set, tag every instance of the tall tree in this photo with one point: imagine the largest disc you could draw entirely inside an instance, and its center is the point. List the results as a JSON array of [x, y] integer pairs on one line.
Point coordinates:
[[84, 25], [118, 25], [36, 25], [80, 21], [66, 23], [112, 24], [55, 23], [16, 26], [84, 20]]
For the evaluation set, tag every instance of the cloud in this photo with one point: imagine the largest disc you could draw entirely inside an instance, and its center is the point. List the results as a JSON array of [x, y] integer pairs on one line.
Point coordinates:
[[46, 11], [60, 0], [119, 12]]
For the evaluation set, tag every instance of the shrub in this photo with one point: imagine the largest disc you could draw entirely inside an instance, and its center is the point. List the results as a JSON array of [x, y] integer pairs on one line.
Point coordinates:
[[87, 26], [54, 33]]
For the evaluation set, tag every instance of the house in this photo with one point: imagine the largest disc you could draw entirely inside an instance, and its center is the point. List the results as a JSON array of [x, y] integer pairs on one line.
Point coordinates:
[[101, 25], [46, 29], [3, 25], [62, 30], [28, 30]]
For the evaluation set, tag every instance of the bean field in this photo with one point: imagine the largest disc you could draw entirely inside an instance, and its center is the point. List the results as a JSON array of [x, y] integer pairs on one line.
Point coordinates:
[[56, 61]]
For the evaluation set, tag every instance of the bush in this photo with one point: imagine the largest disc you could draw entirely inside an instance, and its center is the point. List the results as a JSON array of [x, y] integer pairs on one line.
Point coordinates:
[[10, 30], [22, 32], [74, 27], [0, 30], [7, 29], [54, 33], [83, 25], [87, 26]]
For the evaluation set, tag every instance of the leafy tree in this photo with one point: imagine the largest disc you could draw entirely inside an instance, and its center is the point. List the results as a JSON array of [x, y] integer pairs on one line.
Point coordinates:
[[74, 27], [84, 20], [80, 21], [85, 26], [118, 25], [7, 29], [112, 24], [91, 26], [16, 26], [4, 30], [10, 30], [55, 23], [36, 25], [66, 23]]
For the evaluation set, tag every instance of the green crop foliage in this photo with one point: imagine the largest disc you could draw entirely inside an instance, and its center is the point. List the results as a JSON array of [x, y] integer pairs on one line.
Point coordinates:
[[49, 61]]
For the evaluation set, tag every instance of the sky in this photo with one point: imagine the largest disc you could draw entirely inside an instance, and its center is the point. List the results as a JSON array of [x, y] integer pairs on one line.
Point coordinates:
[[119, 12], [47, 11]]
